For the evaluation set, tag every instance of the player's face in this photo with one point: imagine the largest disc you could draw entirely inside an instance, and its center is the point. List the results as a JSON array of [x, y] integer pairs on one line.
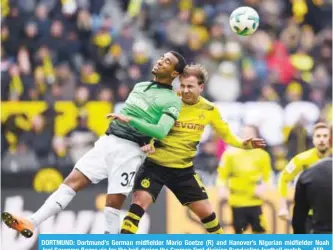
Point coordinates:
[[165, 66], [321, 139], [190, 89]]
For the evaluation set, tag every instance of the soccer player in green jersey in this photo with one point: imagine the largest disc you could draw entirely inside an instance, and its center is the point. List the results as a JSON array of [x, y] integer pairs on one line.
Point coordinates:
[[151, 109]]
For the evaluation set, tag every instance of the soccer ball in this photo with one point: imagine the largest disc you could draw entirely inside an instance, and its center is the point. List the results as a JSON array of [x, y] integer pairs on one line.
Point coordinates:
[[244, 21]]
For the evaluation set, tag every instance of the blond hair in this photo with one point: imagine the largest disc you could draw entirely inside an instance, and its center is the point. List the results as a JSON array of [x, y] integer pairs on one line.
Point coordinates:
[[320, 125], [197, 70]]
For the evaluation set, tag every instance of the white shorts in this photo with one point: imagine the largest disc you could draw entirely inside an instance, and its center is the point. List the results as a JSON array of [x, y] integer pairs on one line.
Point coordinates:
[[114, 158]]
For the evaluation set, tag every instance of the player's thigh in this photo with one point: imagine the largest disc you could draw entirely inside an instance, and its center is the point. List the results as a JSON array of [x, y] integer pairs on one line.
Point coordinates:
[[239, 219], [122, 165], [92, 164], [150, 179], [187, 186], [121, 176], [256, 219]]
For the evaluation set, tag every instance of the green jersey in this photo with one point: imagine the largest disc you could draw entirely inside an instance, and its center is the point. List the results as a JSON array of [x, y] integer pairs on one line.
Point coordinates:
[[147, 102]]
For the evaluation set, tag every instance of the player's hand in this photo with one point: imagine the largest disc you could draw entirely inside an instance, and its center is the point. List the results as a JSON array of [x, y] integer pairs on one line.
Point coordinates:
[[254, 143], [119, 117], [283, 213], [148, 149]]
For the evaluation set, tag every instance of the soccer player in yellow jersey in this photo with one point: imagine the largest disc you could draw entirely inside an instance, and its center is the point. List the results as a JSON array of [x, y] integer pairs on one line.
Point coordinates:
[[302, 161], [172, 162], [243, 175]]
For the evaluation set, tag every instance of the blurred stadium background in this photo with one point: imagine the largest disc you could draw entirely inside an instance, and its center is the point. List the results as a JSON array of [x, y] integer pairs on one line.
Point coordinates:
[[65, 64]]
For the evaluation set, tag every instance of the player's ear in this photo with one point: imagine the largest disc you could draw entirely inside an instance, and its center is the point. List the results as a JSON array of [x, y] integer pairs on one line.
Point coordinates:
[[174, 74], [201, 86]]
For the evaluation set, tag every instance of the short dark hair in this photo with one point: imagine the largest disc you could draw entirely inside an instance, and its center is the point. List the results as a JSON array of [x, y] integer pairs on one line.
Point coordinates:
[[197, 70], [181, 62]]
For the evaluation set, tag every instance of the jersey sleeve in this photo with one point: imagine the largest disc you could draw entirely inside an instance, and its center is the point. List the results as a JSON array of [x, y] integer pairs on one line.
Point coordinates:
[[169, 110], [293, 168], [224, 169], [158, 131], [223, 130], [172, 107]]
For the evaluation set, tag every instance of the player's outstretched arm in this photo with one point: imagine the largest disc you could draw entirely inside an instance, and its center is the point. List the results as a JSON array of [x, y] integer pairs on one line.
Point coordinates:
[[158, 131], [293, 168], [223, 130]]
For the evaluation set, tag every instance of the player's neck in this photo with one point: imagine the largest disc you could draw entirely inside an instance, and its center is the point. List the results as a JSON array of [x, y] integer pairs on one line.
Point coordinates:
[[324, 153], [193, 102], [166, 81]]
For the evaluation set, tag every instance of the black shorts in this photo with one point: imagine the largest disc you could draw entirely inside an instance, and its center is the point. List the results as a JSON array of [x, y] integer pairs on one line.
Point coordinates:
[[183, 182], [244, 216]]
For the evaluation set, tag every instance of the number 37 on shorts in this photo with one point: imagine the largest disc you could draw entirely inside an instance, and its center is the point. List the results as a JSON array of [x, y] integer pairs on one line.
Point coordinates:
[[127, 179]]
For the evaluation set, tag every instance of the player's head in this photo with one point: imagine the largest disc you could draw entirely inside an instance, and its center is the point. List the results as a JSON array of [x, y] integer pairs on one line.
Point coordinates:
[[192, 82], [169, 65], [321, 137], [249, 131]]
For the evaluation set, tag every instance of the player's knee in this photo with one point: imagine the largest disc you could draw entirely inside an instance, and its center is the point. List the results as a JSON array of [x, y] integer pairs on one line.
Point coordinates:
[[142, 198], [115, 200], [76, 180], [201, 208]]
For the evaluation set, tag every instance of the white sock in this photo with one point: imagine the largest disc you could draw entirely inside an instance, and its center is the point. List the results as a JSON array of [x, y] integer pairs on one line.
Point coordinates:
[[54, 204], [112, 220]]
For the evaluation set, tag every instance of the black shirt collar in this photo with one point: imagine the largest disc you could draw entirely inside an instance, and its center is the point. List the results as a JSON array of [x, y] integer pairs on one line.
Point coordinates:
[[160, 85]]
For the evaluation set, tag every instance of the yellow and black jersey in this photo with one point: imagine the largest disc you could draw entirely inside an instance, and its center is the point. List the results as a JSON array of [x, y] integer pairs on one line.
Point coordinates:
[[296, 165], [241, 171], [178, 149]]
